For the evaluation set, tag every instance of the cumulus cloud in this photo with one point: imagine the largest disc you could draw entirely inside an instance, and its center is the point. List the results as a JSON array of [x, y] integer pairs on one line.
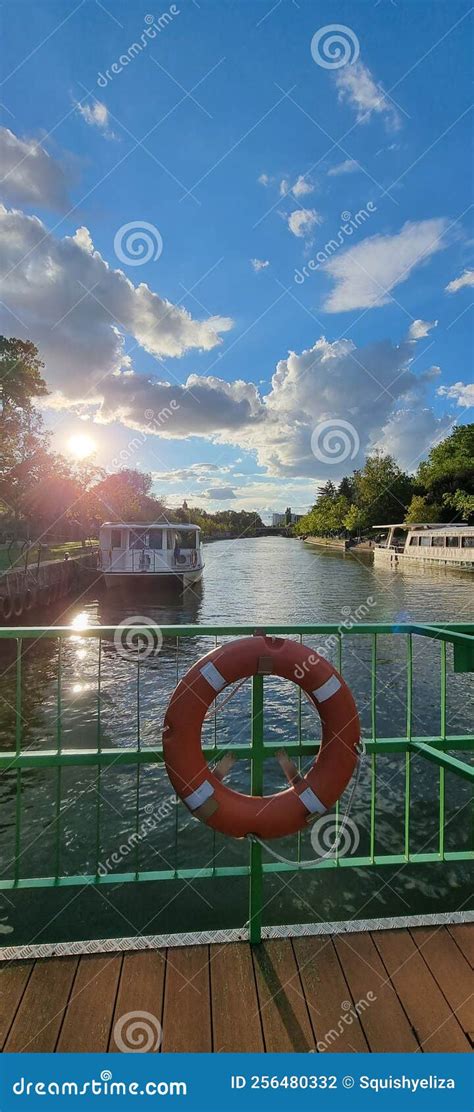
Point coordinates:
[[219, 494], [264, 179], [465, 279], [419, 329], [79, 310], [410, 432], [349, 166], [357, 87], [303, 185], [96, 115], [365, 274], [259, 264], [461, 392], [30, 174], [302, 221]]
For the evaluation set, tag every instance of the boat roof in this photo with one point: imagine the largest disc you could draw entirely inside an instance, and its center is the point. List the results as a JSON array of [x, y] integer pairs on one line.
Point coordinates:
[[150, 525], [444, 525]]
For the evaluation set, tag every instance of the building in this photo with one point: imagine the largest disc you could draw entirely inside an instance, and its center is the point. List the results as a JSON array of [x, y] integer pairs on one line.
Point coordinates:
[[288, 518]]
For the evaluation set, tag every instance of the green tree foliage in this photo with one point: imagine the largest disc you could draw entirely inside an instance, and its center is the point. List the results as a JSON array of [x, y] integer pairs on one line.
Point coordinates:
[[421, 510], [450, 465]]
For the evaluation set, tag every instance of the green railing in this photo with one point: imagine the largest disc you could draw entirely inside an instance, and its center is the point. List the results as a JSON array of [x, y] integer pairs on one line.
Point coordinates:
[[438, 748]]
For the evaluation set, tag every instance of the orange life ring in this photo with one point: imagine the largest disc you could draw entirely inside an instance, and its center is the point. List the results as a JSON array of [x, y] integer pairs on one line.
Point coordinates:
[[310, 794]]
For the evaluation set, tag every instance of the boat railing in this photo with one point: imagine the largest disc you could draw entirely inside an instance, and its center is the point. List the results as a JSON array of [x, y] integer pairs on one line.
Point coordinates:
[[27, 762]]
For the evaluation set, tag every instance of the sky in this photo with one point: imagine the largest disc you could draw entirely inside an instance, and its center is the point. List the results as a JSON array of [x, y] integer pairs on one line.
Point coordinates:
[[240, 234]]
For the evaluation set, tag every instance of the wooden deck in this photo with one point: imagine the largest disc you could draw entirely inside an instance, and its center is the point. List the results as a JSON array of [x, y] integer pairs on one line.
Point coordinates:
[[399, 990]]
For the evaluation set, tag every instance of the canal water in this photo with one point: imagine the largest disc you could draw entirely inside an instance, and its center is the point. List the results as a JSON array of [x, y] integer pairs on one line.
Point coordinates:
[[75, 822]]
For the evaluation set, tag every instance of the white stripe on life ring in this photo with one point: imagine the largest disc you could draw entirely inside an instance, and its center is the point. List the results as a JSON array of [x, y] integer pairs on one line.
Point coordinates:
[[311, 802], [197, 798], [327, 689], [213, 676]]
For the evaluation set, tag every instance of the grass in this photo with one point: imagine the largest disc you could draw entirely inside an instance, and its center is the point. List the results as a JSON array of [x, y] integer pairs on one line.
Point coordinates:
[[15, 557]]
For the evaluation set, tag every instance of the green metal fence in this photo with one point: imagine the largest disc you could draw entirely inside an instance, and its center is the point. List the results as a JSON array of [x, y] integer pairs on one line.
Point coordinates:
[[438, 748]]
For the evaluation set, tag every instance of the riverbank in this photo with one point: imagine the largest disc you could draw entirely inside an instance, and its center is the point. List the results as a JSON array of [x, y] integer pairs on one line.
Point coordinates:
[[327, 542], [24, 589]]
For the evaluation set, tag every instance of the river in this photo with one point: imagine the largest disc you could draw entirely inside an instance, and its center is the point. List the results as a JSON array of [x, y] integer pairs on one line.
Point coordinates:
[[259, 581]]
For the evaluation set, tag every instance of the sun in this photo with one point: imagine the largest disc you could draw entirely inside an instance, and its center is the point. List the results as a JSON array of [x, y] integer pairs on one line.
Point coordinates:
[[81, 445]]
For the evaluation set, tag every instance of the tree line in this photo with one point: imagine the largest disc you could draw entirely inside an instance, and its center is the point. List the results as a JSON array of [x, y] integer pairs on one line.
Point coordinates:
[[44, 495], [382, 493]]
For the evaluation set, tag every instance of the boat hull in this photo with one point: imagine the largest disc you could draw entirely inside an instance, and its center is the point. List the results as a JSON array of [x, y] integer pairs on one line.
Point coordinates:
[[390, 558], [132, 579]]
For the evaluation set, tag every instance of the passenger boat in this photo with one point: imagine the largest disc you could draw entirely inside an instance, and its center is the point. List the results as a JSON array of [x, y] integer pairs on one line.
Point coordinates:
[[131, 553], [448, 545]]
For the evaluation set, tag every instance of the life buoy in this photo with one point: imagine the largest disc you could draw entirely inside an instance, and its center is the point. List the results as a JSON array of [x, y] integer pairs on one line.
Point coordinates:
[[310, 794], [7, 607], [17, 605], [29, 599]]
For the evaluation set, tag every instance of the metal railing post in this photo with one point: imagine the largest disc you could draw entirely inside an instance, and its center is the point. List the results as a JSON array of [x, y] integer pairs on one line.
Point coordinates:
[[256, 787]]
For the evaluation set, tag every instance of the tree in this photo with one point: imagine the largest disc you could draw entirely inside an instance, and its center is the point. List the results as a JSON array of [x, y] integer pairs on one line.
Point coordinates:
[[421, 510], [462, 503], [450, 465], [382, 490], [23, 440]]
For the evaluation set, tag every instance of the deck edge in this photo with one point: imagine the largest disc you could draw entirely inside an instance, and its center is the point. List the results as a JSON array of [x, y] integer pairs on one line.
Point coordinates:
[[204, 938]]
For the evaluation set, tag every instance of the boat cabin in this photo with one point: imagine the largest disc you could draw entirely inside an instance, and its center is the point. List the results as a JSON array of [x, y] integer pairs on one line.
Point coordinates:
[[156, 549], [432, 542]]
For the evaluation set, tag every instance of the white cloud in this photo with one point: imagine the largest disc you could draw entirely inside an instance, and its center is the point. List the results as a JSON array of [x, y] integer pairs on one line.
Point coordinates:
[[219, 494], [349, 166], [96, 115], [356, 85], [259, 264], [461, 392], [302, 186], [30, 174], [81, 334], [365, 274], [302, 221], [465, 279], [419, 329], [264, 179], [410, 432]]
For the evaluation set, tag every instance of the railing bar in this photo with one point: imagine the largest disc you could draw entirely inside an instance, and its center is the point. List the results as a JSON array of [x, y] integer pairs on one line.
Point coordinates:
[[409, 663], [99, 749], [373, 759], [176, 810], [18, 739], [442, 809], [443, 693], [256, 873], [137, 777], [57, 833]]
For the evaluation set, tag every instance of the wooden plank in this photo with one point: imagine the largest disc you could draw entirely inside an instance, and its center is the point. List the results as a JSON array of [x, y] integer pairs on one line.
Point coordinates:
[[140, 991], [39, 1017], [235, 1013], [463, 934], [385, 1024], [13, 981], [436, 1028], [283, 1010], [90, 1010], [328, 997], [451, 971], [187, 1010]]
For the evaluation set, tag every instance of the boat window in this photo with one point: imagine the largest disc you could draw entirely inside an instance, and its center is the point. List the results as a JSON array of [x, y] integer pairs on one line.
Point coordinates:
[[425, 541], [188, 539], [452, 542], [467, 542], [414, 540], [437, 541], [116, 538], [156, 538], [138, 539]]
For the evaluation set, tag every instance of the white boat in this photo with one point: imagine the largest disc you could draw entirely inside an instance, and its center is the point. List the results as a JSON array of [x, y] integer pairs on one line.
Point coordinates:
[[447, 545], [131, 553]]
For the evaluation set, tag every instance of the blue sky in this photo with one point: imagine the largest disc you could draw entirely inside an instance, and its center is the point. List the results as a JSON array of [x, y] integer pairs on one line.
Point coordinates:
[[294, 188]]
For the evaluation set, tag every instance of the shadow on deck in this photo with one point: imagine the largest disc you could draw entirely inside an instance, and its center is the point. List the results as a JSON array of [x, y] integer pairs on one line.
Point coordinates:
[[393, 990]]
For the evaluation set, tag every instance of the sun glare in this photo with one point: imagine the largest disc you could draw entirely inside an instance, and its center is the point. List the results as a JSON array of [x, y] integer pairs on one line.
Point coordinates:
[[80, 446]]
